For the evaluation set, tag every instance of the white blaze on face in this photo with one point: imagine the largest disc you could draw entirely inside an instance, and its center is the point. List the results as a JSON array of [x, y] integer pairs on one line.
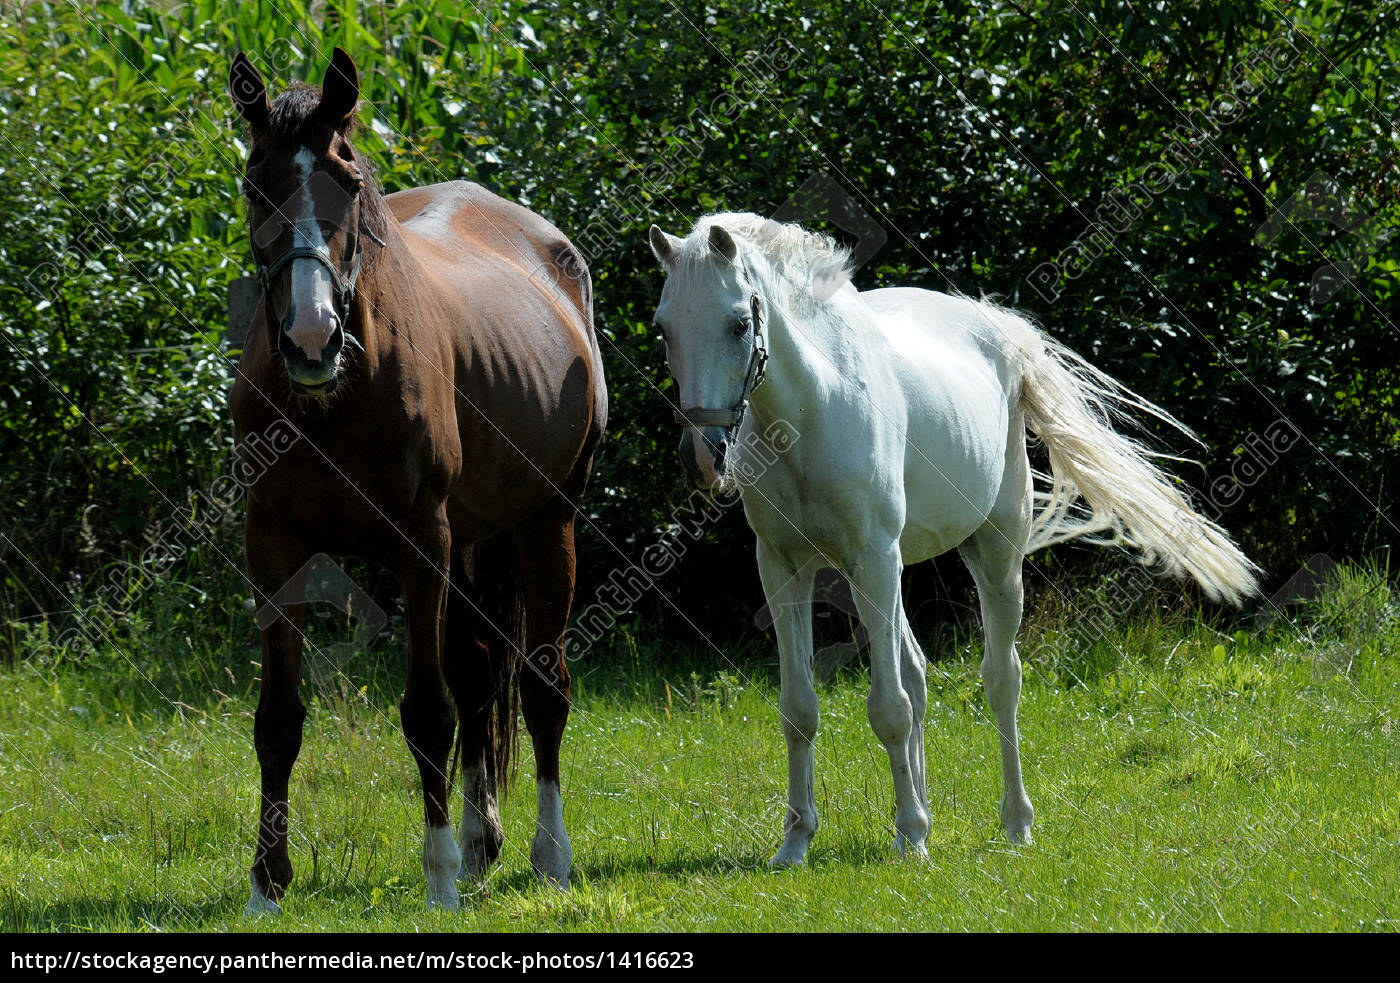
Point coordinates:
[[312, 293]]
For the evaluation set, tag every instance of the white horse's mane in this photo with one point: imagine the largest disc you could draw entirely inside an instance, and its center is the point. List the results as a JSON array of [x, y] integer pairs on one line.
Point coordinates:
[[810, 258]]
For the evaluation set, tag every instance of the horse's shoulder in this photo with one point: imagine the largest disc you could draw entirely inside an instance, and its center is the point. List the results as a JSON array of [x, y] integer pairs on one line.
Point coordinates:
[[248, 402]]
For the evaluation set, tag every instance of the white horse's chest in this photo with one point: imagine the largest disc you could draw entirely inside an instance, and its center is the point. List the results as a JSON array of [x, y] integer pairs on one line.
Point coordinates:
[[822, 498]]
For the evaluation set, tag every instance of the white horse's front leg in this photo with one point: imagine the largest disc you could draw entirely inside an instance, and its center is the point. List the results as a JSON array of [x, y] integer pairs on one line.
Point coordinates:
[[789, 594], [875, 586], [915, 678]]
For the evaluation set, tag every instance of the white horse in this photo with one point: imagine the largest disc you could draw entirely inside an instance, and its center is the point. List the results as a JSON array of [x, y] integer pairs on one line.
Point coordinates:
[[911, 409]]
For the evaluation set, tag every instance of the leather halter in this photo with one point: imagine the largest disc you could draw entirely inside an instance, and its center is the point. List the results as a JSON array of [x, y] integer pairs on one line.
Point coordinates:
[[344, 283], [753, 378]]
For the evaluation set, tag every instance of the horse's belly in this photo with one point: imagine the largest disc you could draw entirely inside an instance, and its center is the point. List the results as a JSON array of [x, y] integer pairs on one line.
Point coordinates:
[[952, 475], [941, 514]]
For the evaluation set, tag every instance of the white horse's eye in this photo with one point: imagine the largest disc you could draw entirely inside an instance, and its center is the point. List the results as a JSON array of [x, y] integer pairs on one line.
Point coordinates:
[[741, 328]]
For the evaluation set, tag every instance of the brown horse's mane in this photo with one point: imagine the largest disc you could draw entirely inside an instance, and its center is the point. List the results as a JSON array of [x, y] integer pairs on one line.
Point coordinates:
[[291, 111]]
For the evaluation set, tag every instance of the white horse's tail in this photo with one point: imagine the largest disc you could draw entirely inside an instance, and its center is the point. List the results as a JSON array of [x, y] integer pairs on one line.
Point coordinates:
[[1072, 407]]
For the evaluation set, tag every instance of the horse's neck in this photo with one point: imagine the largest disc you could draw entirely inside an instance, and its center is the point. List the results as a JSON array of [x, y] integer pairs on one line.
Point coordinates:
[[796, 372], [385, 284]]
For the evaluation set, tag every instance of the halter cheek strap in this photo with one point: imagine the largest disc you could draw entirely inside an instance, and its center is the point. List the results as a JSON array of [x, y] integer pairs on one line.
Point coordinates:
[[753, 378], [344, 283]]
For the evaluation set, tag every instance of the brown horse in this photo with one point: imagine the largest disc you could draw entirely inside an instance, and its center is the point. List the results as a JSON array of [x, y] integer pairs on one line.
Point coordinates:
[[448, 405]]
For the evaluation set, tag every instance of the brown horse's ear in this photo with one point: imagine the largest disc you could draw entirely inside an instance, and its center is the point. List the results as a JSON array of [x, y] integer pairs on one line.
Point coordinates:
[[249, 91], [340, 91]]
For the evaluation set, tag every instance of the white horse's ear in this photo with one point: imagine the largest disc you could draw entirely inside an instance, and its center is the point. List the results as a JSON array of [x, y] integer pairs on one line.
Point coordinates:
[[663, 246], [723, 243]]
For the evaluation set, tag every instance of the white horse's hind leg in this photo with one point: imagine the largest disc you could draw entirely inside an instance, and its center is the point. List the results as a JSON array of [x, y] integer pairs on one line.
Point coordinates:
[[995, 562], [875, 586], [789, 594]]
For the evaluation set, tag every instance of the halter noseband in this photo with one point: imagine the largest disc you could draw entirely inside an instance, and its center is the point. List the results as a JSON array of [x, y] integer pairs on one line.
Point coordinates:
[[758, 362], [344, 283]]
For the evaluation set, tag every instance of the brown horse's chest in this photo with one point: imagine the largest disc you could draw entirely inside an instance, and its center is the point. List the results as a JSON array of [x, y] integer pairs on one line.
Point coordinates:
[[350, 501]]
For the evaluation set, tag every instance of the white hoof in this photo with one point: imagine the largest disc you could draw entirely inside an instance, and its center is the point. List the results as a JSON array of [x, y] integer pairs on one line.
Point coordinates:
[[788, 855], [445, 900], [1017, 817], [1020, 835], [260, 905], [477, 857], [904, 849], [798, 830], [552, 856]]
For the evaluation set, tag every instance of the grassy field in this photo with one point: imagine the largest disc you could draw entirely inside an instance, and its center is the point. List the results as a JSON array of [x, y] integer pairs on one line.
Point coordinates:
[[1183, 779]]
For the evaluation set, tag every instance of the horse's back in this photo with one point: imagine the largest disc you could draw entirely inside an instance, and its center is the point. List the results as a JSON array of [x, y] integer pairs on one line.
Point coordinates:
[[462, 224]]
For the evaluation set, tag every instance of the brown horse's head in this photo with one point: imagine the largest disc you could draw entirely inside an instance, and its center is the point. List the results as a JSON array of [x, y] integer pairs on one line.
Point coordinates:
[[306, 217]]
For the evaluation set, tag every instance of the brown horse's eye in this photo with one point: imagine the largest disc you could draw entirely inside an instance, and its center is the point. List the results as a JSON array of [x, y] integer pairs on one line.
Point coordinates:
[[352, 181]]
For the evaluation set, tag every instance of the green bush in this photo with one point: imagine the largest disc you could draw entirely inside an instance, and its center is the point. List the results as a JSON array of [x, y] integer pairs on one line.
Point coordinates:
[[981, 138]]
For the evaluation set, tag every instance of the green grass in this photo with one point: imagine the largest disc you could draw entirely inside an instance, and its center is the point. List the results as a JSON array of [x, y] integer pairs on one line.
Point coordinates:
[[1183, 779]]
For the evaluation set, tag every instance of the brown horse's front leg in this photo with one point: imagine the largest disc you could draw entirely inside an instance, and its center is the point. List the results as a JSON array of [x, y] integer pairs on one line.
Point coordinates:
[[275, 561], [426, 713]]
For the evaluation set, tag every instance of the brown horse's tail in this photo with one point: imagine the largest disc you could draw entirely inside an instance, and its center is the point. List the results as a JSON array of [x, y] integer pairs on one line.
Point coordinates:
[[495, 575]]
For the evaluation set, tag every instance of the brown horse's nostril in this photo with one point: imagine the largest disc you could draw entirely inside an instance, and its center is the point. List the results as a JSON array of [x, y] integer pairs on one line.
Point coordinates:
[[720, 449], [312, 343]]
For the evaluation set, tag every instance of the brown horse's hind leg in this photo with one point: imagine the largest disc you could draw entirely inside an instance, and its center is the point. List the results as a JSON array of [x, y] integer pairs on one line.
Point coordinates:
[[274, 560], [546, 551], [425, 712], [467, 667]]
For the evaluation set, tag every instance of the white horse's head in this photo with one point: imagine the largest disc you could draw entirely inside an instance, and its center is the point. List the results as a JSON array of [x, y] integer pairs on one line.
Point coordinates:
[[710, 316]]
